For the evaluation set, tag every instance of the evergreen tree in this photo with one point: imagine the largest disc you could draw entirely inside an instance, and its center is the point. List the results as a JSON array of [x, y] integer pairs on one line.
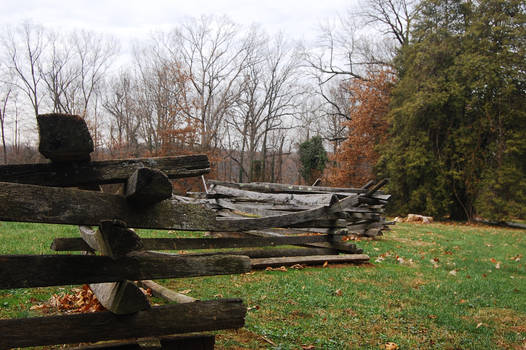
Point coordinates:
[[458, 125], [313, 158]]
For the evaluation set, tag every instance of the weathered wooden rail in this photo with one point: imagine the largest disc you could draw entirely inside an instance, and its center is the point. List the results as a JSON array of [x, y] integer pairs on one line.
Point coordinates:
[[358, 210], [269, 215], [37, 193]]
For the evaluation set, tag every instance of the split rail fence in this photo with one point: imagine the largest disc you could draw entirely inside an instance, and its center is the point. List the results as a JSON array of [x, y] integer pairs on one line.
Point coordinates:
[[309, 222]]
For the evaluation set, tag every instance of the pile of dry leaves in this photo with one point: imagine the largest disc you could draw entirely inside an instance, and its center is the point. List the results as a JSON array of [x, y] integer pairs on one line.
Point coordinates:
[[79, 300]]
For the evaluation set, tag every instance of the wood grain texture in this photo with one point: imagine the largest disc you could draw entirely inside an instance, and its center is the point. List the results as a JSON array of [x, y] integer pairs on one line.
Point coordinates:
[[147, 186], [30, 203], [267, 187], [165, 293], [77, 244], [312, 200], [310, 260], [101, 172], [157, 321], [115, 240], [64, 137], [26, 271], [121, 298]]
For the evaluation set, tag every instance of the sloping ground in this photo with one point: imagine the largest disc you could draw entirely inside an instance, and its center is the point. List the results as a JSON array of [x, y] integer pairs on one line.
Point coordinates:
[[428, 286]]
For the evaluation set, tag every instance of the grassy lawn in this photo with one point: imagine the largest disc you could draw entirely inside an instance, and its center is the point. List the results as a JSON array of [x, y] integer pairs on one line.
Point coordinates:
[[437, 286]]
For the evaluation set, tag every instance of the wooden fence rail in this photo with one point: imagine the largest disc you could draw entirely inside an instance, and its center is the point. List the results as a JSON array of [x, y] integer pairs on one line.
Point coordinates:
[[39, 193], [25, 271], [101, 172], [157, 321]]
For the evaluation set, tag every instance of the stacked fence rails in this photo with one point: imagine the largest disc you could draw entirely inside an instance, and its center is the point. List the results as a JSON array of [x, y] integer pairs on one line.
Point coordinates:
[[361, 216], [251, 226], [67, 191]]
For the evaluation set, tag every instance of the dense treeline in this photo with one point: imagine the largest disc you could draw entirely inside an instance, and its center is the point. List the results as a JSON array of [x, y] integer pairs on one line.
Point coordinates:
[[449, 129], [457, 141], [428, 93]]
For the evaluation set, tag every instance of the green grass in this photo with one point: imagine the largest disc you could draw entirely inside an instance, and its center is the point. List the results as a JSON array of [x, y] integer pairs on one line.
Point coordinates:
[[428, 287]]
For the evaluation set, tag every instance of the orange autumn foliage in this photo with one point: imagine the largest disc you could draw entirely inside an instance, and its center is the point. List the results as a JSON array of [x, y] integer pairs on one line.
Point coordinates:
[[356, 157]]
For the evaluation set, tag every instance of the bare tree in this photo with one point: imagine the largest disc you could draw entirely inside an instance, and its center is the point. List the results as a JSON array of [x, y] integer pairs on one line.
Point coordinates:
[[347, 46], [76, 68], [6, 92], [165, 99], [94, 55], [394, 17], [24, 48], [267, 99], [338, 57], [121, 104], [59, 73], [214, 53], [282, 88], [365, 40]]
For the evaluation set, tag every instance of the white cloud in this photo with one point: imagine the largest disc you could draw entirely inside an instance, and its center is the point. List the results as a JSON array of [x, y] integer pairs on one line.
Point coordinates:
[[133, 18]]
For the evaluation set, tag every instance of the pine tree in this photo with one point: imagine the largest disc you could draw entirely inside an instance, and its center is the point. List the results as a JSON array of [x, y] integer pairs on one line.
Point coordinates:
[[457, 118], [313, 158]]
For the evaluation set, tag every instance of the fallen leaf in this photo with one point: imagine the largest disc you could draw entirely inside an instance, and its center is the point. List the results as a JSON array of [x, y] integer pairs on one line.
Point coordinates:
[[493, 260], [186, 291], [390, 346], [308, 347], [478, 325], [147, 292], [453, 272], [462, 301], [218, 296], [38, 307], [432, 316], [282, 268], [268, 341], [434, 262], [338, 292], [325, 264], [78, 300], [517, 258], [297, 266], [255, 307], [497, 265]]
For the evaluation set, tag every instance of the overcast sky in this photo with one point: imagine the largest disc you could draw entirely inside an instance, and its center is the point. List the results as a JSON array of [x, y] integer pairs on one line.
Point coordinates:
[[128, 19]]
